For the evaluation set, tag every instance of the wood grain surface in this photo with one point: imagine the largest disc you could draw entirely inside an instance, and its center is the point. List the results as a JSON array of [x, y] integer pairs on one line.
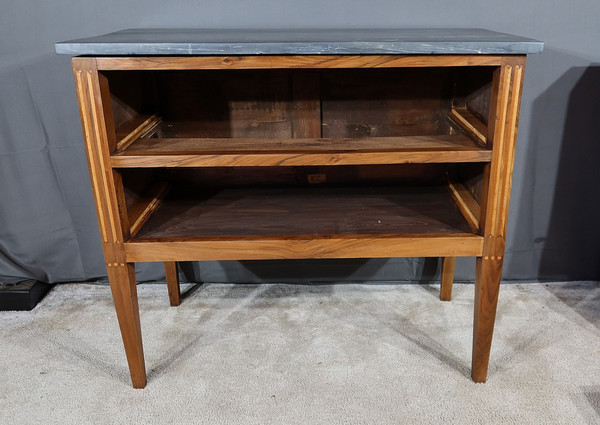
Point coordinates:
[[502, 134], [100, 139], [447, 278], [470, 124], [210, 152], [304, 211], [300, 120], [304, 61], [255, 248], [172, 283]]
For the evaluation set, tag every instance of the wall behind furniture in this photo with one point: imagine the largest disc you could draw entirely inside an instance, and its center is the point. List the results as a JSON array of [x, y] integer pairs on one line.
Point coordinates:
[[48, 227]]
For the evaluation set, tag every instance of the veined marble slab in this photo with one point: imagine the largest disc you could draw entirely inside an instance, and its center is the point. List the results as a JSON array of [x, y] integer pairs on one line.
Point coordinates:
[[417, 41]]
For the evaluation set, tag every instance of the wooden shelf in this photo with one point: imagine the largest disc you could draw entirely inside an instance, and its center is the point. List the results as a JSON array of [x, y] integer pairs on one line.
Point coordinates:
[[304, 222], [216, 152]]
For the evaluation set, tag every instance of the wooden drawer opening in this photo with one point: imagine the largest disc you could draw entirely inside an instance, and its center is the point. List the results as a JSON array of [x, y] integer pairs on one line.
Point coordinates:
[[302, 139], [299, 117]]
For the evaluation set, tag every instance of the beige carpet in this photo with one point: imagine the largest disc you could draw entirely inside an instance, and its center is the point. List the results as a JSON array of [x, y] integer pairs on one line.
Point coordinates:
[[282, 354]]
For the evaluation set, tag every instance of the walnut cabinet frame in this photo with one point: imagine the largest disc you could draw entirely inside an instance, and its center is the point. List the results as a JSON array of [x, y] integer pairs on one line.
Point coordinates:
[[312, 122]]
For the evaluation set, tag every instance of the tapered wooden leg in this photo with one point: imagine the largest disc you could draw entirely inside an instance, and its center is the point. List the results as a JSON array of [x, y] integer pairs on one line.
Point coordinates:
[[173, 283], [98, 126], [487, 286], [447, 278], [495, 196], [124, 291]]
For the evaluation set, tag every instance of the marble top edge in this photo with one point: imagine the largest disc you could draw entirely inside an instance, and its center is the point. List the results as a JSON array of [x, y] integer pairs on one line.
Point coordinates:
[[164, 41]]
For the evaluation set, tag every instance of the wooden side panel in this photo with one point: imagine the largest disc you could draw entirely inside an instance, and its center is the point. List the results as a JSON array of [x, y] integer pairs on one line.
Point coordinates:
[[502, 125], [472, 90], [136, 185], [132, 98], [99, 137], [471, 176], [472, 99], [478, 102]]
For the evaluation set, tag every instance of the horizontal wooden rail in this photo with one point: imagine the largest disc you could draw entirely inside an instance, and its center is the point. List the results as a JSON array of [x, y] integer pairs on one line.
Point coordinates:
[[445, 245], [307, 61]]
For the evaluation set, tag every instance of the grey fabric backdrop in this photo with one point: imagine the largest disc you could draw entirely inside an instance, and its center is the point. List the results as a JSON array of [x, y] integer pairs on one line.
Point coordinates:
[[48, 226]]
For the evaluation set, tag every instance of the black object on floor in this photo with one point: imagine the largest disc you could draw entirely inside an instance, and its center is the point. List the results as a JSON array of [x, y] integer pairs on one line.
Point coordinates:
[[23, 295]]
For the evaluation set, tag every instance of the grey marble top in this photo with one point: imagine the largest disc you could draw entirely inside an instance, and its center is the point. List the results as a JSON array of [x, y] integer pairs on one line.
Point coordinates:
[[180, 42]]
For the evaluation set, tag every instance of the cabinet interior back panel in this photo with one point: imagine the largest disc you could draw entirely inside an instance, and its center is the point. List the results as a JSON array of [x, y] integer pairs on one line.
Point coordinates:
[[226, 104], [385, 102], [255, 103]]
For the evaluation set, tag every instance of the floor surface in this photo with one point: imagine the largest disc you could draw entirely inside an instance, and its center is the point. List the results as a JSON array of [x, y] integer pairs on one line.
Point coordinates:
[[295, 354]]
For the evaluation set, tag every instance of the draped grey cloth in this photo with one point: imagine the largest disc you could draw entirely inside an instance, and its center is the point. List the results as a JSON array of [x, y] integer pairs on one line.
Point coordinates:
[[48, 228]]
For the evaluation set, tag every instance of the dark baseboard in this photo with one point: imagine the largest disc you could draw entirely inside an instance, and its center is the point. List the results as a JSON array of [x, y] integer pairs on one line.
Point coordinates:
[[23, 295]]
